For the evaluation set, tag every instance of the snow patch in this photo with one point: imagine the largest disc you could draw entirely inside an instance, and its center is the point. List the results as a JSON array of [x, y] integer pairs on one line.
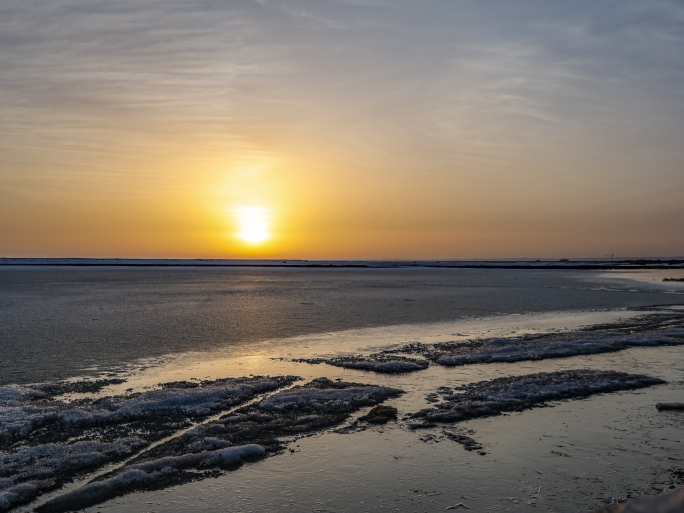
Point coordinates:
[[381, 363], [21, 494], [647, 331], [152, 474], [45, 442], [487, 398], [20, 420]]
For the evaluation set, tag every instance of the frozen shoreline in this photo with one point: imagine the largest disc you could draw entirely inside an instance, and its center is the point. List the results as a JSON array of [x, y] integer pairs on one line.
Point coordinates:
[[128, 442], [103, 319]]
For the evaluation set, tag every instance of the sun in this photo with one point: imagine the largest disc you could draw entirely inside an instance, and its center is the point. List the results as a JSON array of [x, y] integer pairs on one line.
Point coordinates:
[[253, 224]]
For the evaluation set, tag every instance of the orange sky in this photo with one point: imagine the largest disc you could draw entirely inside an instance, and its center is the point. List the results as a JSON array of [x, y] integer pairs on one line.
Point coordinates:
[[364, 130]]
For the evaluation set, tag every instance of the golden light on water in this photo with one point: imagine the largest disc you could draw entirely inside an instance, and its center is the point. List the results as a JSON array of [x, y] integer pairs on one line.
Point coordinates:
[[253, 224]]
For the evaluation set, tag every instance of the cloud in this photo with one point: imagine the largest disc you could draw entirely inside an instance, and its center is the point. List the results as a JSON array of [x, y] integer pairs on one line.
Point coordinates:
[[462, 91]]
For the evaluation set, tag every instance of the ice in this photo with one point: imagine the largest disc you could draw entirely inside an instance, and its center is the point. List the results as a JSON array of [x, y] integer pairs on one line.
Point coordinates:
[[76, 386], [249, 433], [309, 408], [647, 331], [40, 460], [16, 421], [199, 401], [45, 443], [326, 395], [557, 346], [151, 474], [20, 494], [222, 458], [29, 471], [382, 363], [29, 419], [13, 394], [518, 393]]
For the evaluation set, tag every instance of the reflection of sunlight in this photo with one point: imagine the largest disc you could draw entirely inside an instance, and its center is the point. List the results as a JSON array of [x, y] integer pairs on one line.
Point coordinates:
[[252, 224]]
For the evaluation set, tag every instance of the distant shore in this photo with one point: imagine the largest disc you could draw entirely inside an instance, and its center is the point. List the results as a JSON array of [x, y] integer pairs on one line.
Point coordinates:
[[580, 264]]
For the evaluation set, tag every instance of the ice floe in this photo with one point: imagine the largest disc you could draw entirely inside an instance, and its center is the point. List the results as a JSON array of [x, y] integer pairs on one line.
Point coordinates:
[[25, 416], [45, 443], [31, 470], [493, 397], [251, 432], [382, 363], [648, 331], [153, 474]]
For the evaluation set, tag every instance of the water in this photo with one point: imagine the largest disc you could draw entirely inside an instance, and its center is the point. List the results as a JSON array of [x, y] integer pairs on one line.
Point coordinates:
[[59, 322], [155, 325]]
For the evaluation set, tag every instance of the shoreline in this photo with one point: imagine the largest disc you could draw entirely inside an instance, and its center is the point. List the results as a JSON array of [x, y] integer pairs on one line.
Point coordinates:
[[494, 441], [268, 356], [509, 264]]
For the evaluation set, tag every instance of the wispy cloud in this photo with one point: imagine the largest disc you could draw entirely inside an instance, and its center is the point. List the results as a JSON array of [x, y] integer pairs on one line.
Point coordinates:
[[454, 89]]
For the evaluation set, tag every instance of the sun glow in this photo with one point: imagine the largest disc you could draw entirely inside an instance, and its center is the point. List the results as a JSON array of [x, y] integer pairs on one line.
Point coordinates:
[[253, 224]]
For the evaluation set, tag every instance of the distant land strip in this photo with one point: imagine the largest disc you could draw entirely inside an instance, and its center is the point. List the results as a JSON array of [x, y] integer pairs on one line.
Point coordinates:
[[654, 263]]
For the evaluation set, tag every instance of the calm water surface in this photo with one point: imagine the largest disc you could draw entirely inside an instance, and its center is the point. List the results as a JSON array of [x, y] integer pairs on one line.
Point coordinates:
[[212, 323], [59, 322]]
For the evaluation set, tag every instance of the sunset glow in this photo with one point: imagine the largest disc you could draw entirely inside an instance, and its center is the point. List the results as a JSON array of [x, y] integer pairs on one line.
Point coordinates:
[[253, 224], [487, 130]]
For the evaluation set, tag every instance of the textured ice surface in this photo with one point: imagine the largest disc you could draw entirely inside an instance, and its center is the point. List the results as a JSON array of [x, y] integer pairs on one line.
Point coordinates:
[[120, 426], [550, 346], [323, 395], [46, 442], [249, 433], [46, 460], [382, 363], [15, 394], [29, 415], [24, 416], [648, 331], [152, 474], [518, 393], [76, 386], [29, 471], [12, 495], [21, 393], [304, 409]]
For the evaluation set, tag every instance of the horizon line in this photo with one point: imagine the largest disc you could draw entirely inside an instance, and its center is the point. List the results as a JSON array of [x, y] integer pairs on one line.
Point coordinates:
[[510, 263]]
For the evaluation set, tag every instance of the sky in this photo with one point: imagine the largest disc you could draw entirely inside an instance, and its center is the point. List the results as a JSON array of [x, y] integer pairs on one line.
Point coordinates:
[[341, 129]]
